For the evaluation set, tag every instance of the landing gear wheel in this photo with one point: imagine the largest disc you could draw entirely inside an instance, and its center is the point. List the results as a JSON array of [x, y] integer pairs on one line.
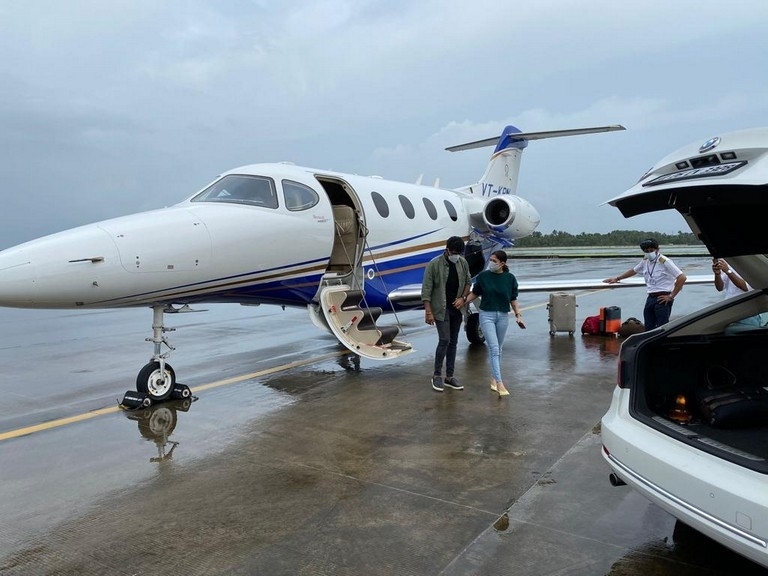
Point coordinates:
[[474, 332], [153, 383]]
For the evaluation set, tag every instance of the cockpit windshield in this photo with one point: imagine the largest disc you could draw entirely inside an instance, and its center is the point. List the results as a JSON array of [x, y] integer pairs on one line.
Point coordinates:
[[241, 189]]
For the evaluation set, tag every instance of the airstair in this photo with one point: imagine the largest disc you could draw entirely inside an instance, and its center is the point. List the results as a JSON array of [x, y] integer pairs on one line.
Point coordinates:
[[340, 301], [355, 325]]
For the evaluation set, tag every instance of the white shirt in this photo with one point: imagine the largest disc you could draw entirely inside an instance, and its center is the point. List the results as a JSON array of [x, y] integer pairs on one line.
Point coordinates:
[[659, 275], [729, 288]]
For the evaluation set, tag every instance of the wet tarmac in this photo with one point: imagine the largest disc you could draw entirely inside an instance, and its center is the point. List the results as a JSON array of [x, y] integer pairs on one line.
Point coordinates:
[[299, 458]]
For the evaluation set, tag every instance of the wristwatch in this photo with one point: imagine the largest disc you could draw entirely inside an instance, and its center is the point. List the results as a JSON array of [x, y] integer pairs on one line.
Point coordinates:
[[728, 271]]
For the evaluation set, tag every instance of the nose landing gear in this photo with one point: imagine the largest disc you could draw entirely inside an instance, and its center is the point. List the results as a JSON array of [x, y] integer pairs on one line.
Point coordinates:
[[156, 381], [157, 378]]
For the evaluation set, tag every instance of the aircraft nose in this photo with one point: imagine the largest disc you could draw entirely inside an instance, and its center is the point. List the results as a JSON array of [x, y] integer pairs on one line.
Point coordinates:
[[55, 271], [17, 278]]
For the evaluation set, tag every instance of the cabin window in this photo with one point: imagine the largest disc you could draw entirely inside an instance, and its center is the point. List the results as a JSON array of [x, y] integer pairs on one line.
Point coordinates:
[[241, 189], [381, 205], [298, 196], [431, 210], [451, 211], [407, 207]]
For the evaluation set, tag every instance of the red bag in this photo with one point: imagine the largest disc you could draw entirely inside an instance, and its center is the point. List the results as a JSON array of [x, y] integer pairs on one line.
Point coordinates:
[[591, 325]]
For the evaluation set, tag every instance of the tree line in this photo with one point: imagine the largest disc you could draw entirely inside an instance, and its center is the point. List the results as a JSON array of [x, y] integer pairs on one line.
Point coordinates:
[[560, 238]]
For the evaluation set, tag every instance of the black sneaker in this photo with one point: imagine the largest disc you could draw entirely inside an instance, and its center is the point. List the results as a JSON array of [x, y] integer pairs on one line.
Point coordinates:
[[437, 383], [453, 383]]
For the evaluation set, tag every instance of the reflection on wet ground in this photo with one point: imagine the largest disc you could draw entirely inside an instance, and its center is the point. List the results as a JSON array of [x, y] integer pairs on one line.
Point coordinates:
[[350, 362], [684, 552], [158, 422]]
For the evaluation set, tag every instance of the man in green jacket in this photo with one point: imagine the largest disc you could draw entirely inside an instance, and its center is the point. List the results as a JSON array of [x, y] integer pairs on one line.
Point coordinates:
[[444, 293]]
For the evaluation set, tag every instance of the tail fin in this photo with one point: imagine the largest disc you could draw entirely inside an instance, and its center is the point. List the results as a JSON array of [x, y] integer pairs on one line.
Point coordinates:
[[504, 166]]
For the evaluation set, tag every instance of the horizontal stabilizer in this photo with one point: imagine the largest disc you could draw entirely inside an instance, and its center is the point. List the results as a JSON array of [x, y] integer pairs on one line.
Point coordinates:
[[536, 136]]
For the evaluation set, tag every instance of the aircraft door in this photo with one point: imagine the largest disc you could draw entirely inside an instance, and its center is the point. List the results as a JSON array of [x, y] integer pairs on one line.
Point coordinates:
[[345, 239], [346, 262]]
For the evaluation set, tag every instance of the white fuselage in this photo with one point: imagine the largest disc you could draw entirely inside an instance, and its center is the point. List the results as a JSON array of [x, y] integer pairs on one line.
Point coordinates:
[[213, 251]]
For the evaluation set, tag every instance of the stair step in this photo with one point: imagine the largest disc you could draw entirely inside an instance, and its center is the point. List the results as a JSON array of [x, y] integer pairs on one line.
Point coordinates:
[[353, 299], [368, 321], [388, 333]]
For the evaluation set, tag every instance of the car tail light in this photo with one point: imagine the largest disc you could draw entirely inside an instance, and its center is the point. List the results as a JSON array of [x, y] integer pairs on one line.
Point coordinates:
[[621, 377]]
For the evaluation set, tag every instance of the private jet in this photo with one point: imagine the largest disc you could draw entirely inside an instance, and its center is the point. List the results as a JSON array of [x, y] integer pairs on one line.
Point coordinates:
[[346, 247]]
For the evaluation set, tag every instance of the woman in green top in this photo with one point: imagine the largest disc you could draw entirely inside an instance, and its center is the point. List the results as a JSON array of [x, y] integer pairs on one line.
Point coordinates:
[[498, 288]]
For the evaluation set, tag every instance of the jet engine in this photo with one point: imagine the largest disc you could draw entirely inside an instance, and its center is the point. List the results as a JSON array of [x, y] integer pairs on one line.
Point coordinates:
[[508, 217]]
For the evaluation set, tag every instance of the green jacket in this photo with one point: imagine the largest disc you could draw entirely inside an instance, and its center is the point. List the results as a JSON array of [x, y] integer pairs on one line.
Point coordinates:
[[435, 277]]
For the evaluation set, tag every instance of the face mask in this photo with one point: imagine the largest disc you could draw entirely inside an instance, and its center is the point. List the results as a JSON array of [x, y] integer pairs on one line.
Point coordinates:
[[453, 258], [494, 267], [652, 256]]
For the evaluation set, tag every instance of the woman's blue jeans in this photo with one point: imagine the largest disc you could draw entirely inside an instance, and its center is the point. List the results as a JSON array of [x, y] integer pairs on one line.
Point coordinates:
[[494, 326]]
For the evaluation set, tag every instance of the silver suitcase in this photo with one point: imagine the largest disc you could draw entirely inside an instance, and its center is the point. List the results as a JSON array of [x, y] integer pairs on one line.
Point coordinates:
[[562, 313]]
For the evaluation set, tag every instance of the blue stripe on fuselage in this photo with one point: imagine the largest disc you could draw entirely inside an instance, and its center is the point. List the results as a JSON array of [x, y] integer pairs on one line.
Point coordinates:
[[296, 290]]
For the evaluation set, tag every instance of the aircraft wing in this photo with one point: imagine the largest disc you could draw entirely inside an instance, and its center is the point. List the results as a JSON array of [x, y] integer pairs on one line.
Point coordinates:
[[410, 295]]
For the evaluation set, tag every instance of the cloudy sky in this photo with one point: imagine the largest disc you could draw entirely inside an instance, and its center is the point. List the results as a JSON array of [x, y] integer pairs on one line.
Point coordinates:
[[108, 108]]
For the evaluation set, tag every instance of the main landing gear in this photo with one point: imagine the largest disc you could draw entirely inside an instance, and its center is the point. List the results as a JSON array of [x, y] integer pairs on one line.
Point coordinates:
[[472, 326]]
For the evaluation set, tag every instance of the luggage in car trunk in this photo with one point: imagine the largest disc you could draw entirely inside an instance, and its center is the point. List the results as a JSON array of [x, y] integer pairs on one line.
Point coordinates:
[[734, 408]]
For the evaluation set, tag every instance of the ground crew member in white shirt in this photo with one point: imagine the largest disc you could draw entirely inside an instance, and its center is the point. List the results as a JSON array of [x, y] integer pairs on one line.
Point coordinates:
[[663, 280], [731, 284], [728, 280]]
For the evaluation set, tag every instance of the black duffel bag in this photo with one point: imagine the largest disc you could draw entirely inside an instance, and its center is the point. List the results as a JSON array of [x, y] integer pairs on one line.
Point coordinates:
[[734, 408]]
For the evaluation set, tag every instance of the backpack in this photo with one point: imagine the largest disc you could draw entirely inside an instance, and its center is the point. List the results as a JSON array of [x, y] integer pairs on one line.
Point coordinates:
[[631, 326], [591, 325]]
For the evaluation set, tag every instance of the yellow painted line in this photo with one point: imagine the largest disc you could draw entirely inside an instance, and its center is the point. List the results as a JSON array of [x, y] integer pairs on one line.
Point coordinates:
[[56, 423], [282, 368], [112, 409], [234, 380]]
